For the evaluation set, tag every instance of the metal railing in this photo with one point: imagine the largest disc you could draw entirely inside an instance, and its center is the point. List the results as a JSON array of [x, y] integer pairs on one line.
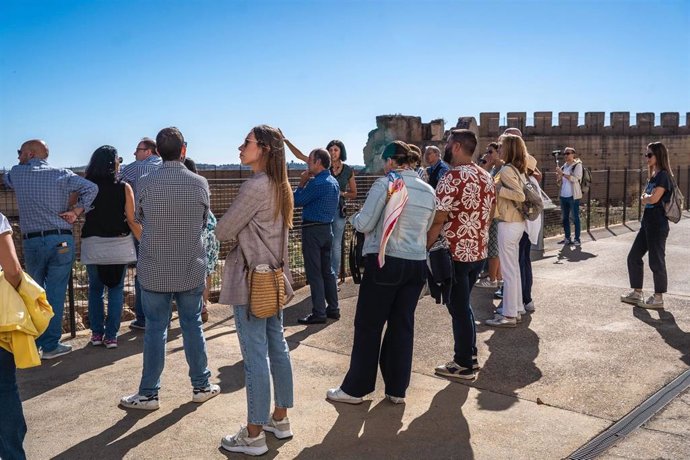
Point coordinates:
[[613, 198]]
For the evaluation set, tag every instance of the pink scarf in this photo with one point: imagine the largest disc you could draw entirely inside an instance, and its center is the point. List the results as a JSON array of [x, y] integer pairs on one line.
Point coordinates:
[[396, 200]]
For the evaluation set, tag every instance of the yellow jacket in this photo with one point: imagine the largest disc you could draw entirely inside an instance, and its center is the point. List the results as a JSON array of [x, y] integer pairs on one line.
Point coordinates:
[[24, 315], [510, 195]]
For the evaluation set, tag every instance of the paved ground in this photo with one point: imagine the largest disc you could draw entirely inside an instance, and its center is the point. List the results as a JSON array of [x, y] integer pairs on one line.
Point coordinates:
[[570, 370]]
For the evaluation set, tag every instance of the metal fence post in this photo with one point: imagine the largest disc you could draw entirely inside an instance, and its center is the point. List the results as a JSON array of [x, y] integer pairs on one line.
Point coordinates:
[[625, 194], [72, 309], [608, 189], [687, 192], [589, 206]]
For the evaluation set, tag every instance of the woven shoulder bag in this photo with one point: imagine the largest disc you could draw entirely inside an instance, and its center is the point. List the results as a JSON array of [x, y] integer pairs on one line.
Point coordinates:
[[267, 286]]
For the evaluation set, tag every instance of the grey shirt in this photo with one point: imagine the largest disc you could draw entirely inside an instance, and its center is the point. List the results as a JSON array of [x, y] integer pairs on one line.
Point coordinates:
[[172, 206]]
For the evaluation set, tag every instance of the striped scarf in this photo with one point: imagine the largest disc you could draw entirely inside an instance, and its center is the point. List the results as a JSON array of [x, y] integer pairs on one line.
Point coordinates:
[[395, 202]]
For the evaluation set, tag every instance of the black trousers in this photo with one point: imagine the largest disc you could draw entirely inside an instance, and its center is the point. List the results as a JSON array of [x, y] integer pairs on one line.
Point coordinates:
[[316, 249], [389, 296], [464, 332], [651, 238]]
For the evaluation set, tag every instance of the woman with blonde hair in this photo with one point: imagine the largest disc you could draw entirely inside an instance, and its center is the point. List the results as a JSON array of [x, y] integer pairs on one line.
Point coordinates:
[[653, 231], [258, 222], [511, 226]]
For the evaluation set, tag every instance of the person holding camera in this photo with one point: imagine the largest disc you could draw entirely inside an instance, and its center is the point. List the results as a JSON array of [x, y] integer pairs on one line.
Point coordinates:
[[569, 177]]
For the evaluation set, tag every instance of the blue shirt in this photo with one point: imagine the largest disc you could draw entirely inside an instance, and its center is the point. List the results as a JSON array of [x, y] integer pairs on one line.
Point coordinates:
[[43, 193], [436, 172], [319, 197], [134, 171]]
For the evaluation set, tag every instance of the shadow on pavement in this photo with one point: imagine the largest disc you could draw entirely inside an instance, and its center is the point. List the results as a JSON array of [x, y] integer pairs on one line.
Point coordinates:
[[573, 254], [668, 330], [508, 367], [108, 443], [381, 436]]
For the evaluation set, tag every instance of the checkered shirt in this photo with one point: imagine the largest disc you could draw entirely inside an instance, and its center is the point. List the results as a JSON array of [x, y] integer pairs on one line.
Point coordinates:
[[172, 206], [43, 193], [134, 171]]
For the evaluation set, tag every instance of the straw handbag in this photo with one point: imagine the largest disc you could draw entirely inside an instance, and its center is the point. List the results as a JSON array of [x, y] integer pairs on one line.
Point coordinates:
[[267, 287]]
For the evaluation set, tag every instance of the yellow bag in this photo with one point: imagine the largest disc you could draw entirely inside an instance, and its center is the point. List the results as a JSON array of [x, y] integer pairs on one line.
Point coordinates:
[[266, 291]]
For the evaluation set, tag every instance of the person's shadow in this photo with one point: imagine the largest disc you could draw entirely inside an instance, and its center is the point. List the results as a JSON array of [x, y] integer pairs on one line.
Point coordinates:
[[510, 366], [668, 329], [573, 254], [381, 436]]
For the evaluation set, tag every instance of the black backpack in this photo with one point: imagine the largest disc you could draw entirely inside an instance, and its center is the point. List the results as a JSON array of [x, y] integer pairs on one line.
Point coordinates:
[[356, 257]]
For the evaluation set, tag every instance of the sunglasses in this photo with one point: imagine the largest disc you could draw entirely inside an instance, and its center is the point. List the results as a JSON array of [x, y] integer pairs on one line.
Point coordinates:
[[649, 154], [247, 141]]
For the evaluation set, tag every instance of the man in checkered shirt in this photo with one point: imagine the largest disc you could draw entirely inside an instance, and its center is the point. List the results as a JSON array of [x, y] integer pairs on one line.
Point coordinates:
[[172, 206], [43, 194], [147, 160]]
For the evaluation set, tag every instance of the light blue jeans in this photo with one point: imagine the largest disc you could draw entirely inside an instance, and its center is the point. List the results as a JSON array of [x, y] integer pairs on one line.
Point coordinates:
[[96, 307], [263, 344], [49, 262], [338, 227], [158, 308]]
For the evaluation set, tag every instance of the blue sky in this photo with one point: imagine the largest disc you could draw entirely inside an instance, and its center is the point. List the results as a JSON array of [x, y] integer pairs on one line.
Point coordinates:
[[80, 74]]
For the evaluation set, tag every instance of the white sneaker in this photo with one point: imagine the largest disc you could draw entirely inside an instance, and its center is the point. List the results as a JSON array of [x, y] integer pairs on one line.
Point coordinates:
[[338, 395], [530, 307], [395, 399], [501, 321], [200, 395], [280, 428], [652, 303], [486, 283], [499, 310], [137, 401], [241, 442], [633, 297]]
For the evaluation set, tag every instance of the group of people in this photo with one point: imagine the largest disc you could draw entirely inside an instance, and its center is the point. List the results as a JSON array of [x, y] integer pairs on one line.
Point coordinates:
[[157, 211]]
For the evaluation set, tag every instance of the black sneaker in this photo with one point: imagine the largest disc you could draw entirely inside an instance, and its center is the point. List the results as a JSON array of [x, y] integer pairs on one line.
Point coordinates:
[[335, 314], [311, 319], [455, 371]]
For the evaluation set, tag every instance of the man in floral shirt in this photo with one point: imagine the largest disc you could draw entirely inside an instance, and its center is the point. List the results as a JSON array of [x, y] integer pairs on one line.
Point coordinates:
[[465, 198]]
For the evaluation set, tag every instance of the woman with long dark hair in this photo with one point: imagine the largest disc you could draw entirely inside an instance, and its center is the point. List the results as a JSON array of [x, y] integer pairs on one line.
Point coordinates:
[[653, 231], [258, 222], [395, 219], [345, 176], [112, 216]]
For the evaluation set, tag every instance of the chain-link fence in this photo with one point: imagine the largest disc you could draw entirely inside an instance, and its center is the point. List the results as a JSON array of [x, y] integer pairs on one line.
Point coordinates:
[[613, 198]]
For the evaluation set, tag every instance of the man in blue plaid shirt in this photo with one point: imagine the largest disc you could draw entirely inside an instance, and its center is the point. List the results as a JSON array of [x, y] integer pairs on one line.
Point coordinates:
[[45, 220], [318, 192], [147, 160]]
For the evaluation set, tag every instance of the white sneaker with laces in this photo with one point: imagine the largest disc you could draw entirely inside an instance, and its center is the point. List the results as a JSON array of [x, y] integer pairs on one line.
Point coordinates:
[[487, 283], [200, 395], [241, 442], [137, 401], [501, 321], [279, 428], [652, 303], [338, 395], [633, 297]]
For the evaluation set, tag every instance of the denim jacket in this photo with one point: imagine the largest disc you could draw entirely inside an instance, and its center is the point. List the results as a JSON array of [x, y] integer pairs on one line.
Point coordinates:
[[408, 240]]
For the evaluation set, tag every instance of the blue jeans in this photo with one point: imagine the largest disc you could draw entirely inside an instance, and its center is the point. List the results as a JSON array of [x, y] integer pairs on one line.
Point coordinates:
[[263, 344], [158, 308], [338, 227], [464, 331], [316, 249], [138, 308], [570, 205], [12, 423], [96, 307], [49, 262]]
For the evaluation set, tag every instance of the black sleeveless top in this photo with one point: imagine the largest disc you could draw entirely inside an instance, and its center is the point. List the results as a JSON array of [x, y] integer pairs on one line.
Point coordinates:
[[107, 218]]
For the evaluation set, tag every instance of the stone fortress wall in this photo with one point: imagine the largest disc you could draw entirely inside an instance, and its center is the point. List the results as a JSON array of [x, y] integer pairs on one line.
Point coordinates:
[[618, 145]]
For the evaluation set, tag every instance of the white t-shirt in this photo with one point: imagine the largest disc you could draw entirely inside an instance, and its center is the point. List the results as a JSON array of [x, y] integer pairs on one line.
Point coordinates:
[[4, 224], [566, 185]]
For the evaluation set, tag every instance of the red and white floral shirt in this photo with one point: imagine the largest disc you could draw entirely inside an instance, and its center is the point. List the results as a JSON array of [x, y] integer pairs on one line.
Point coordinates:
[[467, 194]]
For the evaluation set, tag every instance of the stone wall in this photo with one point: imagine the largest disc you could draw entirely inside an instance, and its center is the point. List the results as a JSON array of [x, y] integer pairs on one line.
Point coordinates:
[[617, 145]]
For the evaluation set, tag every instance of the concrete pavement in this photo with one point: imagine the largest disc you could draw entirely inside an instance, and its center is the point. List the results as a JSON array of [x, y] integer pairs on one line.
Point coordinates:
[[579, 363]]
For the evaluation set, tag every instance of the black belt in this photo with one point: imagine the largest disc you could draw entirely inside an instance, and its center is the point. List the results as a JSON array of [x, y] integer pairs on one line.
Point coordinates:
[[57, 231], [309, 223]]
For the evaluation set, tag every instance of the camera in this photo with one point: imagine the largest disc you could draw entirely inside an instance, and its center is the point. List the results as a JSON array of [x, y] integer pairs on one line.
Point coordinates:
[[555, 153]]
